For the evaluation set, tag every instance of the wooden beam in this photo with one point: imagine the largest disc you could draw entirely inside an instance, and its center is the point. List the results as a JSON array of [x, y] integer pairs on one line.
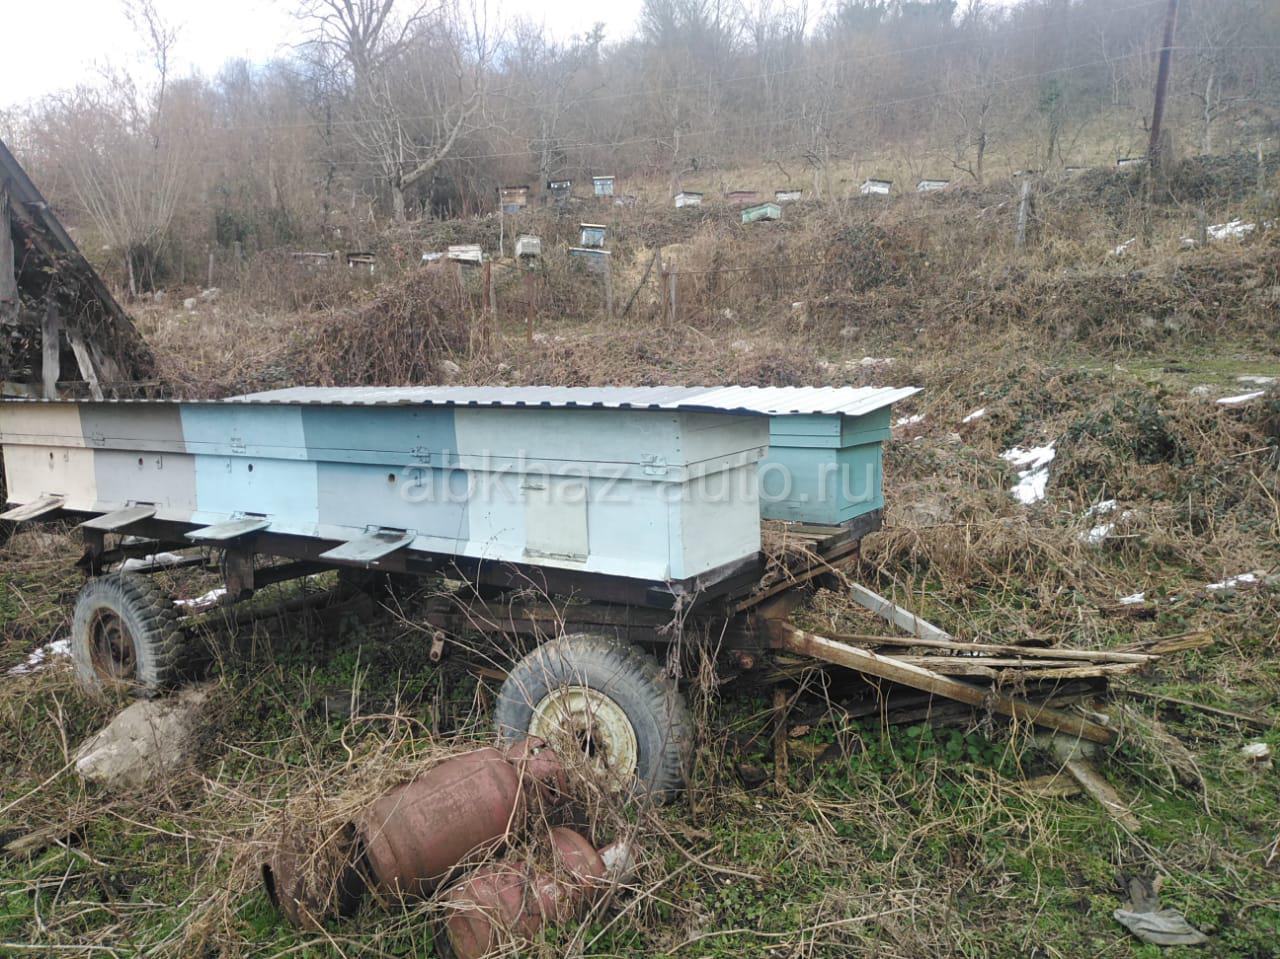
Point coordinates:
[[85, 362], [50, 349], [1002, 649], [805, 643], [8, 274], [904, 619]]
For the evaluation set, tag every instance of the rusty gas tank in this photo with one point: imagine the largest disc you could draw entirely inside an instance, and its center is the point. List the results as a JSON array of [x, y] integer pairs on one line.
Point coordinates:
[[503, 902], [309, 886], [414, 836]]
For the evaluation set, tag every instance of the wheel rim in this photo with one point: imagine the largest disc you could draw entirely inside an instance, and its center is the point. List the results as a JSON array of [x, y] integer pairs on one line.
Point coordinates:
[[111, 648], [586, 720]]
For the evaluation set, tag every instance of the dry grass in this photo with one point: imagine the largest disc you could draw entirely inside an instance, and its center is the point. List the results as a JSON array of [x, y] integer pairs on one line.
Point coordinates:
[[902, 841]]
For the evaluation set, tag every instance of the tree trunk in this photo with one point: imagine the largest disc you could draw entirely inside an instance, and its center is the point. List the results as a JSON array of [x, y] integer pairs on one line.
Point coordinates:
[[1206, 136], [397, 201]]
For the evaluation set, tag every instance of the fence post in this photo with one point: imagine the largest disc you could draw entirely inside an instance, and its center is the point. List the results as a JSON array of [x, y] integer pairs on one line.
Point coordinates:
[[1024, 204]]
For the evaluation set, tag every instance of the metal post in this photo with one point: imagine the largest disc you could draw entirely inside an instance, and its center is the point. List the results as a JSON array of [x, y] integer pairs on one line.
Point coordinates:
[[1162, 85]]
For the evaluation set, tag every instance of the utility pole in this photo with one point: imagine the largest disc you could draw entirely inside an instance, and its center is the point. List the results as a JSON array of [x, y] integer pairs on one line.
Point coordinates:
[[1162, 85]]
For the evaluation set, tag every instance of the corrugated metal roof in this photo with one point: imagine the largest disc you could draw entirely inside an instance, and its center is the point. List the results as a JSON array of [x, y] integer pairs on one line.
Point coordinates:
[[757, 400]]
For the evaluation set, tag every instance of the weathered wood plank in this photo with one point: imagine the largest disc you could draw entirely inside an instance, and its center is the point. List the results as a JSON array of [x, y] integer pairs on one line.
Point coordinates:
[[50, 350], [865, 661], [85, 362], [1001, 649], [8, 276], [904, 619]]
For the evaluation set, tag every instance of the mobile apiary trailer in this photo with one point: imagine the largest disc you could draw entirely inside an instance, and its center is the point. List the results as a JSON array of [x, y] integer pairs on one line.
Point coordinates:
[[644, 505]]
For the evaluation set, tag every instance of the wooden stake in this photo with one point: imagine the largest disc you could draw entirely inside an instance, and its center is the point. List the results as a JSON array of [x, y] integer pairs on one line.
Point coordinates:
[[529, 306], [780, 756], [1024, 204], [608, 287]]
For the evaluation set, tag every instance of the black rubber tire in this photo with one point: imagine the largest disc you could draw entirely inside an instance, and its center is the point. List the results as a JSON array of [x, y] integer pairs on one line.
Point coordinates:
[[151, 623], [651, 701]]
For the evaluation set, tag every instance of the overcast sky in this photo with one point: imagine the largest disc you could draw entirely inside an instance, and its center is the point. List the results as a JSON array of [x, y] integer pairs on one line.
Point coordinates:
[[60, 43]]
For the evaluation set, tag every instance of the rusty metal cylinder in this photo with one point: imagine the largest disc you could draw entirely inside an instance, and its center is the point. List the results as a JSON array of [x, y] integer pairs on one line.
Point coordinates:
[[309, 886], [502, 902], [414, 836]]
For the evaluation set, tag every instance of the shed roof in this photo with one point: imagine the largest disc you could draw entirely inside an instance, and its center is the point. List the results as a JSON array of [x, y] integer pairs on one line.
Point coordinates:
[[755, 400]]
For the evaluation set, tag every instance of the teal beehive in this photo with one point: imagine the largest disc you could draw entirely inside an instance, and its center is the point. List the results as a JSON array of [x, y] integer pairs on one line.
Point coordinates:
[[824, 468]]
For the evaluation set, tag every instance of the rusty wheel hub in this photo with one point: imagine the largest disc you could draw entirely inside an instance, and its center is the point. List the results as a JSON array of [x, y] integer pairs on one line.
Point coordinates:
[[584, 719]]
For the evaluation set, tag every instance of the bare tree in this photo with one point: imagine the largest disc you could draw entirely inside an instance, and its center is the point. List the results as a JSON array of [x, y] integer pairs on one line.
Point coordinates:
[[417, 83]]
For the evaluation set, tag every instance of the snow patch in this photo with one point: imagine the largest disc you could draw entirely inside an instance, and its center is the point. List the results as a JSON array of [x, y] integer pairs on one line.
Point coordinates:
[[1033, 477], [1123, 247], [42, 657], [210, 598], [1133, 599], [1232, 229], [1242, 398], [975, 415], [910, 420], [1098, 534], [1256, 380], [155, 559], [1231, 582]]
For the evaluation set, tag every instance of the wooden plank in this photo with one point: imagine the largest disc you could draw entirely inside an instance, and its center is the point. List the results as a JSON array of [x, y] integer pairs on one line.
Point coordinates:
[[50, 349], [85, 362], [904, 619], [1092, 782], [366, 550], [35, 509], [1002, 649], [865, 661], [119, 519], [230, 530], [1257, 722]]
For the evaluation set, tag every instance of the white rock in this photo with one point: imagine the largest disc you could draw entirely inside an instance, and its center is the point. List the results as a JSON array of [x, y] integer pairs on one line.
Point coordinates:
[[149, 739], [210, 294], [450, 369]]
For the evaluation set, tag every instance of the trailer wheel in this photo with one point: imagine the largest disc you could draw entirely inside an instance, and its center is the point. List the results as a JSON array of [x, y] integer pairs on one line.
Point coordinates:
[[125, 637], [609, 699]]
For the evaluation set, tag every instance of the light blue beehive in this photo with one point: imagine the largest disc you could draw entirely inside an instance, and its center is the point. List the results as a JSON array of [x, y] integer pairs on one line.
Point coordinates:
[[824, 469]]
